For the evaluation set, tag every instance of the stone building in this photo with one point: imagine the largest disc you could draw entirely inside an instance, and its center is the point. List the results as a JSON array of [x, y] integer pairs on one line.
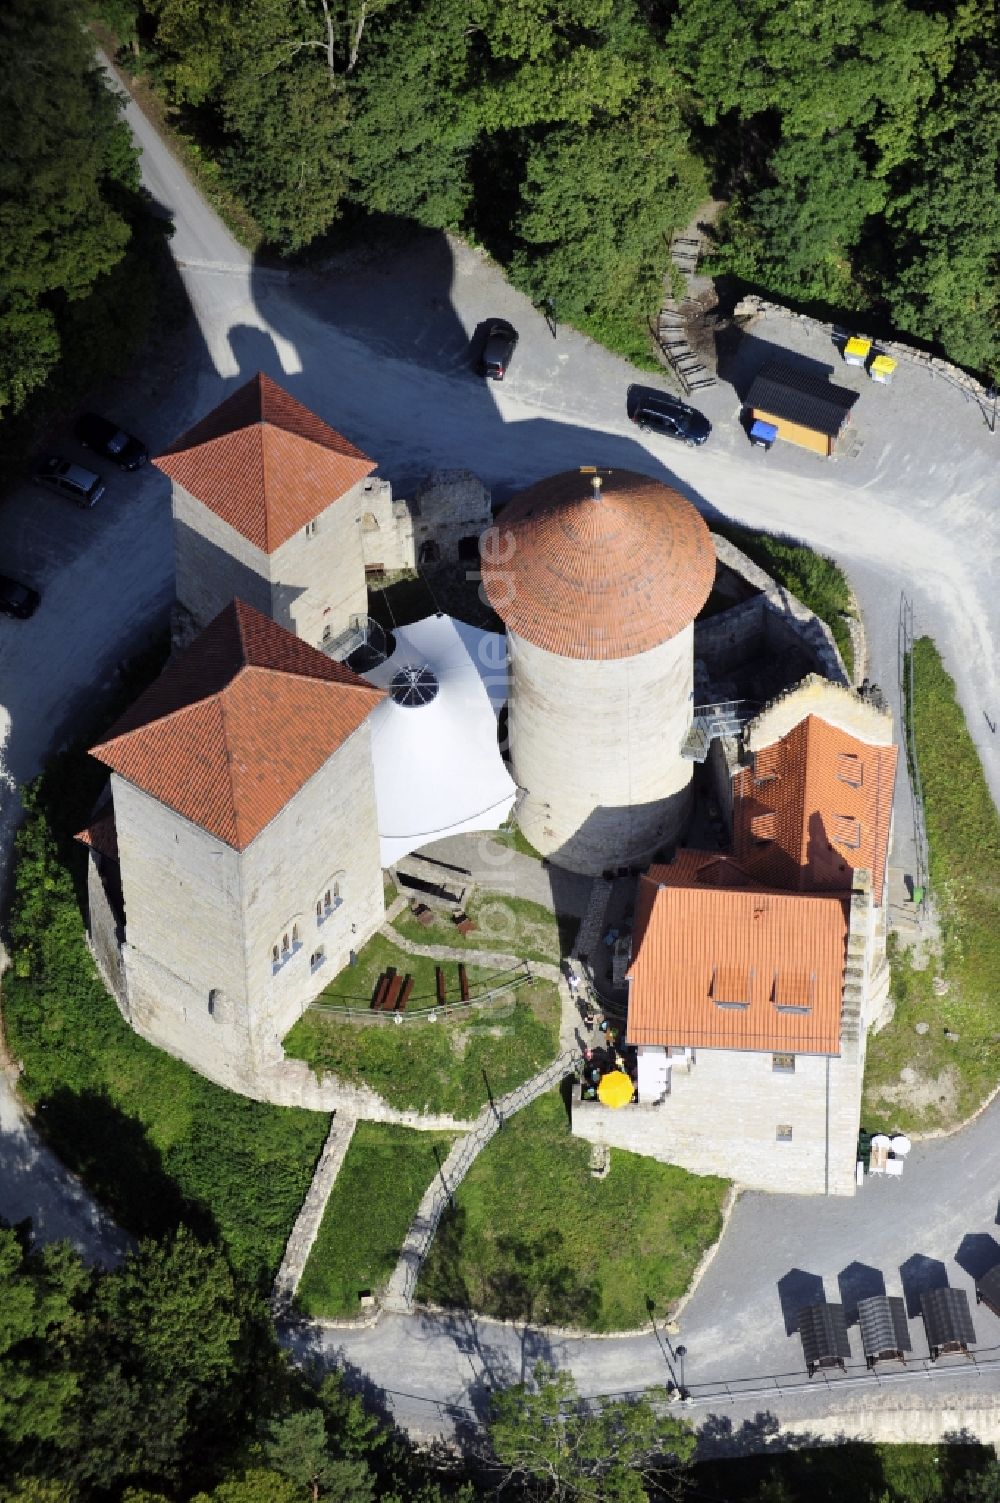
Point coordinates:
[[598, 576], [272, 506], [756, 976], [269, 506], [241, 865]]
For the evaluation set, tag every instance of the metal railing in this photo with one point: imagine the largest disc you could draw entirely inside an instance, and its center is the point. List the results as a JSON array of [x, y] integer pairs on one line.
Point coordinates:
[[432, 1012]]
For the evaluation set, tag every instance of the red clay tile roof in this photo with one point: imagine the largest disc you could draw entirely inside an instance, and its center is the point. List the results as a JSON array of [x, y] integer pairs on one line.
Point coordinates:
[[822, 801], [734, 967], [264, 463], [232, 729], [101, 834], [598, 573]]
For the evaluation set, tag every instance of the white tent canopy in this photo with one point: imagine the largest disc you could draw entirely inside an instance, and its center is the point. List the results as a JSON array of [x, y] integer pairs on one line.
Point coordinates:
[[438, 769]]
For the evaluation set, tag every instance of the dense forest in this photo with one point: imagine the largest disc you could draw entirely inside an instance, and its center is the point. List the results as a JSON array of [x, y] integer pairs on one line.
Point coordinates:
[[854, 144]]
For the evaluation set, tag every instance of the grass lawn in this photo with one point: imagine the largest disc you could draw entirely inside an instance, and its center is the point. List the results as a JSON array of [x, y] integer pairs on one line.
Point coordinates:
[[385, 1173], [508, 926], [155, 1142], [354, 985], [963, 835], [514, 840], [443, 1066], [534, 1236], [815, 580]]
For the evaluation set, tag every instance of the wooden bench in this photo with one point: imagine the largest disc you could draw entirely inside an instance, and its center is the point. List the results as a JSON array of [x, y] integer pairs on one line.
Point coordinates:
[[404, 995], [464, 924], [392, 994], [382, 989], [422, 913]]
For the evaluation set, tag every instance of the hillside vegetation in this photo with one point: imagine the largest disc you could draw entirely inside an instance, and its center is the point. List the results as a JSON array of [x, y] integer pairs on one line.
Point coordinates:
[[854, 142]]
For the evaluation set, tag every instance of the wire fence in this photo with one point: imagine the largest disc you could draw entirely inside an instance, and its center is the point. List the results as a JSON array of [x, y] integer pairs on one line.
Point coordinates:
[[425, 1225], [496, 997], [905, 670]]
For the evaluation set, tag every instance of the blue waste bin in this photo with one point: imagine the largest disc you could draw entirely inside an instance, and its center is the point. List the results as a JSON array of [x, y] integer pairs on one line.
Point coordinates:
[[762, 435]]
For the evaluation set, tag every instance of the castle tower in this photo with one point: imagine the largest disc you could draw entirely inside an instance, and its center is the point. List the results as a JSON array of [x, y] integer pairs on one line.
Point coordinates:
[[270, 506], [598, 576], [247, 842]]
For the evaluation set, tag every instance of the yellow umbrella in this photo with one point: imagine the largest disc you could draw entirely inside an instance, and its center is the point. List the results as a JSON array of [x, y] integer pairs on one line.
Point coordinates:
[[615, 1089]]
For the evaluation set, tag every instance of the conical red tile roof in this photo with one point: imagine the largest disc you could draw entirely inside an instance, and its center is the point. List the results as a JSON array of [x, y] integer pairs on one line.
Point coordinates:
[[598, 564], [264, 463], [232, 729]]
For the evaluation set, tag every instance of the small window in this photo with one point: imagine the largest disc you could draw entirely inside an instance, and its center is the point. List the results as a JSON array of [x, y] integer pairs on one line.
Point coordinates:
[[317, 958], [295, 936], [327, 632], [430, 552], [783, 1064], [784, 1132], [275, 955], [310, 529], [285, 946], [850, 769], [468, 550]]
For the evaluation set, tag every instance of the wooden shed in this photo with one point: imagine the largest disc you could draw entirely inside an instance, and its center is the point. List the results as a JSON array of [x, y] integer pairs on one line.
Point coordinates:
[[806, 410]]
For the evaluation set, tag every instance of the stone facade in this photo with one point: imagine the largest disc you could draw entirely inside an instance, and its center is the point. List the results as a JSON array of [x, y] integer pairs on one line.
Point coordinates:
[[450, 511], [595, 747], [313, 584], [203, 921], [834, 703]]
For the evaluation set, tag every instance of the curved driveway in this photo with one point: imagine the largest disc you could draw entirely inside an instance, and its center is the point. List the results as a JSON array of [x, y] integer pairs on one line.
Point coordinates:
[[378, 346]]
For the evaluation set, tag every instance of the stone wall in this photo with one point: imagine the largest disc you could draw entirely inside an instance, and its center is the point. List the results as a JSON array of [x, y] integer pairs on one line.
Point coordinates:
[[772, 622], [722, 1117], [596, 748], [752, 307], [201, 918], [835, 703], [318, 575], [214, 563], [104, 931], [449, 507], [386, 528]]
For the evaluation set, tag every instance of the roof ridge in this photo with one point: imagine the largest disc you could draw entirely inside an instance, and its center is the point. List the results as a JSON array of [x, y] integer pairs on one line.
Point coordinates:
[[228, 754]]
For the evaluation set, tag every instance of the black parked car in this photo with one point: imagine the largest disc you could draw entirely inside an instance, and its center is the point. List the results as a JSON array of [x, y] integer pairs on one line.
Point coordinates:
[[17, 599], [82, 486], [114, 443], [673, 418], [500, 344]]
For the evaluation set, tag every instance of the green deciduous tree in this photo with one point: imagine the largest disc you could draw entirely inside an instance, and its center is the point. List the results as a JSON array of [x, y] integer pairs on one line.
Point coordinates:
[[67, 167], [547, 1442], [40, 1323]]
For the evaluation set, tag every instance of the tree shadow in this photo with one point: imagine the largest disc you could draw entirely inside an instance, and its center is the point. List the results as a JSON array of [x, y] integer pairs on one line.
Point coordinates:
[[920, 1274], [856, 1282], [124, 1171], [797, 1290], [536, 1283], [977, 1254]]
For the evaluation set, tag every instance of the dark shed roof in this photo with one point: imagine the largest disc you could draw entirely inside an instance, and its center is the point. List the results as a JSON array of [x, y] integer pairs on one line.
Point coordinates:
[[988, 1289], [884, 1332], [801, 398], [824, 1335], [947, 1319]]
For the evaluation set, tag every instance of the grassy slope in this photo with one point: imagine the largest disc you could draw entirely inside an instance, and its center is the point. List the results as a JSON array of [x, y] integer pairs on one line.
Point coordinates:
[[154, 1141], [386, 1171], [442, 1066], [534, 1235], [963, 833], [509, 926]]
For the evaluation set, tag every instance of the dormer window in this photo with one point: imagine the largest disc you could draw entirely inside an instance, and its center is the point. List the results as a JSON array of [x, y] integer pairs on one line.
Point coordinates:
[[846, 830], [793, 991], [732, 986], [850, 769]]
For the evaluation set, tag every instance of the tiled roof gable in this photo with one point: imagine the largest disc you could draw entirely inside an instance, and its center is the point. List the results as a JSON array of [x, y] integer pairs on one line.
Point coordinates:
[[234, 727], [264, 463]]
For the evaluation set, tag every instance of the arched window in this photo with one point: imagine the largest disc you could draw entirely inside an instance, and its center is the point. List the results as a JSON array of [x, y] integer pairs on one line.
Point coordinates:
[[330, 898], [285, 946], [430, 552], [275, 955]]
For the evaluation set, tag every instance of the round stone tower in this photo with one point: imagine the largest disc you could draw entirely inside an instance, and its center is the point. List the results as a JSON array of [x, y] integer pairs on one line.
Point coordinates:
[[598, 576]]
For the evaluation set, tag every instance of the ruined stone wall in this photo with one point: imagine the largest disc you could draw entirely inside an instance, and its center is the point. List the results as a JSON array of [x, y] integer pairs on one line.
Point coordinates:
[[386, 528]]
